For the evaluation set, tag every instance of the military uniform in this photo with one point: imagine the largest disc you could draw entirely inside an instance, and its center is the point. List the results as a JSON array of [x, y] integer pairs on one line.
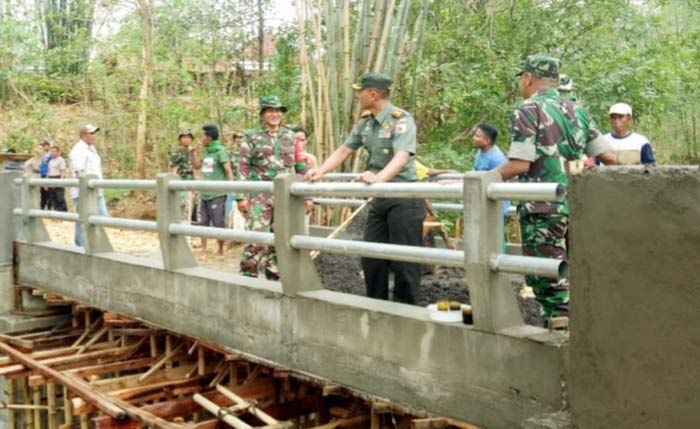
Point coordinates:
[[566, 88], [550, 132], [263, 156], [180, 159], [390, 220]]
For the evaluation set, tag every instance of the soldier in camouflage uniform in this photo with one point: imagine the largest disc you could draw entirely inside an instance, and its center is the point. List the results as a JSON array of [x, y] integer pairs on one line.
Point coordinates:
[[389, 135], [265, 153], [181, 164], [566, 88], [550, 135]]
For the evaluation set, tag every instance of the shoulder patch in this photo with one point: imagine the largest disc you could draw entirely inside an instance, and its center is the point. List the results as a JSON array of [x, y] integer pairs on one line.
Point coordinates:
[[398, 113], [365, 114]]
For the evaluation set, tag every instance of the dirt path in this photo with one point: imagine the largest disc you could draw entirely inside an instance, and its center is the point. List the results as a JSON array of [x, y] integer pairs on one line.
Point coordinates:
[[145, 244]]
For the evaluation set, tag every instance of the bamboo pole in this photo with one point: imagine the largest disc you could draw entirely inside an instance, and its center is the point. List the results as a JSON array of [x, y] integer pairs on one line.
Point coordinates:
[[420, 29], [11, 416], [37, 401], [229, 419], [67, 409], [379, 64], [378, 15], [51, 402], [260, 414], [28, 415]]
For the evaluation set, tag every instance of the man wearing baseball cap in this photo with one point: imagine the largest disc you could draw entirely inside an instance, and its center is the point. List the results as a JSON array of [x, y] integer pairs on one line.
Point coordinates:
[[389, 136], [84, 160], [549, 136], [630, 148]]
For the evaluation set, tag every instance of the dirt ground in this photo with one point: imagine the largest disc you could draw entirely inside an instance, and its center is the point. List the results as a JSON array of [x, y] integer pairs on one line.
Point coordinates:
[[344, 274], [145, 244]]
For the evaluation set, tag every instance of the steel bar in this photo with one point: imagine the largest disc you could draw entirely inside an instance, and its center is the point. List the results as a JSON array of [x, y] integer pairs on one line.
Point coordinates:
[[149, 185], [53, 183], [48, 214], [220, 186], [340, 177], [340, 202], [351, 202], [447, 176], [118, 222], [265, 238], [530, 265], [394, 252], [381, 190], [526, 191]]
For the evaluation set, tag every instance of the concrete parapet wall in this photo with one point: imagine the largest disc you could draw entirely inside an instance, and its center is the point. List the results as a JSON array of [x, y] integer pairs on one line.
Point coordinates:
[[635, 298], [385, 349]]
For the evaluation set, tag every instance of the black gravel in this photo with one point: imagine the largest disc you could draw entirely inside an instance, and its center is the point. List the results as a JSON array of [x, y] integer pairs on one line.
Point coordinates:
[[344, 274]]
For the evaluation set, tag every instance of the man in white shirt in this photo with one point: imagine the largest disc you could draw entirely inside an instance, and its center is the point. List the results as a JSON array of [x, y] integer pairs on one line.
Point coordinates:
[[630, 148], [84, 159]]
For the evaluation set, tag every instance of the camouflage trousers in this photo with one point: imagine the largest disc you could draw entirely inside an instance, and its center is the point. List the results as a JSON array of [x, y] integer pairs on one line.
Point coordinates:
[[544, 235], [258, 258], [186, 207]]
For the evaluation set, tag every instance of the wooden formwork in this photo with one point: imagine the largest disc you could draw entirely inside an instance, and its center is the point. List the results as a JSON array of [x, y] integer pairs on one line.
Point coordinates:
[[104, 370]]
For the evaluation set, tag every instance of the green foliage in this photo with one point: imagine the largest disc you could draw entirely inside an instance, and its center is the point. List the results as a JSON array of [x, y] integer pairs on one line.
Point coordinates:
[[645, 53]]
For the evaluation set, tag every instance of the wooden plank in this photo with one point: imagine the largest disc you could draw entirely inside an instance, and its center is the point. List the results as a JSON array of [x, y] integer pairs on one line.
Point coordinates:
[[16, 342], [83, 389], [126, 409], [165, 359], [16, 369], [57, 352], [259, 414]]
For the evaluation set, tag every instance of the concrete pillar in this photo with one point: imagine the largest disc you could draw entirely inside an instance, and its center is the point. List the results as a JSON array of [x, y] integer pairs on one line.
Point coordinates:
[[297, 270], [34, 229], [494, 306], [96, 239], [174, 248], [10, 226]]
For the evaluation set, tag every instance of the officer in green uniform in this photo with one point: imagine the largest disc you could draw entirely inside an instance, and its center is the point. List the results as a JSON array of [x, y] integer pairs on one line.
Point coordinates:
[[549, 136], [389, 136]]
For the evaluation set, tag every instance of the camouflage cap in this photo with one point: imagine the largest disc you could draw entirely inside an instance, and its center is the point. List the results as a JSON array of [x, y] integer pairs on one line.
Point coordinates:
[[185, 132], [373, 80], [565, 83], [272, 101], [541, 66]]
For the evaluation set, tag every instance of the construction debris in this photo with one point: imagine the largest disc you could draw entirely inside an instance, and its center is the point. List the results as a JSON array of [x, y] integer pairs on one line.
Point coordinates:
[[107, 371]]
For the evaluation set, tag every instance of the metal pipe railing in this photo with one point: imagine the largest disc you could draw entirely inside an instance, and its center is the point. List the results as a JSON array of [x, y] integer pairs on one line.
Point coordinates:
[[394, 252], [53, 183], [148, 185], [48, 214], [526, 191], [264, 238], [381, 190], [530, 265], [119, 222], [220, 186]]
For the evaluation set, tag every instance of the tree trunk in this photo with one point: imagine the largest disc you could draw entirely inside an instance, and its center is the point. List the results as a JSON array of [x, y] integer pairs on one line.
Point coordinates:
[[146, 78]]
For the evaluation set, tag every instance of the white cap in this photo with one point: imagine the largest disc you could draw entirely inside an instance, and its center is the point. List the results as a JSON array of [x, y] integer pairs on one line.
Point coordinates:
[[89, 128], [620, 109]]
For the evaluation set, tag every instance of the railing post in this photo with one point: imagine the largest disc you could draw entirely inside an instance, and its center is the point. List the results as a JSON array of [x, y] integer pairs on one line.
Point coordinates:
[[96, 239], [297, 270], [34, 229], [10, 226], [493, 304], [174, 248]]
